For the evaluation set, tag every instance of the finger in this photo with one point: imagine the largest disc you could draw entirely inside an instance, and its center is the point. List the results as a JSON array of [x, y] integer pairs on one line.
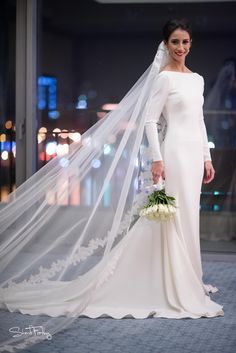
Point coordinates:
[[163, 175], [207, 174], [155, 181], [212, 175], [155, 178], [206, 177]]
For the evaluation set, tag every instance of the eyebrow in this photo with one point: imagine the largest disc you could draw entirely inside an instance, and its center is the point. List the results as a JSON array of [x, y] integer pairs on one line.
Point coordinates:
[[180, 39]]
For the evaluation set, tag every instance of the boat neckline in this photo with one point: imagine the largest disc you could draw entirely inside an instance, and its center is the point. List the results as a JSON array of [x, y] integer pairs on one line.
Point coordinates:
[[179, 72]]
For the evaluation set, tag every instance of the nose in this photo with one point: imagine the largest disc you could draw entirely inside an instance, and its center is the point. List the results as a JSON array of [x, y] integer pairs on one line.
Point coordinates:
[[180, 47]]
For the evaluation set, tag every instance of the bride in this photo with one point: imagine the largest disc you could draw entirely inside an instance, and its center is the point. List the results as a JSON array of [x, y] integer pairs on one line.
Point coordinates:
[[99, 257]]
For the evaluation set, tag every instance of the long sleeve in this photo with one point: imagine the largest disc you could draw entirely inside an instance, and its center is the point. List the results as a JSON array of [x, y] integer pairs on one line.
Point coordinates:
[[206, 149], [155, 104]]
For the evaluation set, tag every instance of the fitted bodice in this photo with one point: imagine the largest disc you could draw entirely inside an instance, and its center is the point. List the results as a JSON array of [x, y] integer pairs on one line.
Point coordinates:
[[179, 98], [183, 105]]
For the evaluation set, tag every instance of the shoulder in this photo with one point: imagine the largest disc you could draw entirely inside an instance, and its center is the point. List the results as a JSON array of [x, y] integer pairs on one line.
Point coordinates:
[[201, 78], [164, 75], [164, 79]]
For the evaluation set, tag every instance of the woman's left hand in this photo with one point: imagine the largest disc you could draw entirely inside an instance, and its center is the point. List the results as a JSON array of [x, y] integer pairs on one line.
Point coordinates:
[[209, 172]]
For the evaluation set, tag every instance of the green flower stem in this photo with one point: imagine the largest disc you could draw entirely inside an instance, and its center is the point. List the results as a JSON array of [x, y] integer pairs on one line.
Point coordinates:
[[160, 197]]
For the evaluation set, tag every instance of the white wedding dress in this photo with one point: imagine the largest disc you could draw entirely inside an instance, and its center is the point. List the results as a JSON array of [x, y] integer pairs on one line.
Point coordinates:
[[156, 269]]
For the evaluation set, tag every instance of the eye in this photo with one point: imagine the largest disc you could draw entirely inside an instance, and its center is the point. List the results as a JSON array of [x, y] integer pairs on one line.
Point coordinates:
[[175, 41], [186, 41]]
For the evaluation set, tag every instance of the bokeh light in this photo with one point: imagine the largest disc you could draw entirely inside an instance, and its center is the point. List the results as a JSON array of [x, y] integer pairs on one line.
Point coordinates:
[[4, 155], [75, 136], [57, 130], [211, 144], [109, 106], [96, 163], [61, 150], [51, 148], [64, 162], [2, 138], [64, 134], [106, 149], [8, 124], [101, 115]]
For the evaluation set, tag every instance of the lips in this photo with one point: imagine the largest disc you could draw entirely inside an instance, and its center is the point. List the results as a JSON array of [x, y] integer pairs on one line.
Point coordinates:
[[179, 54]]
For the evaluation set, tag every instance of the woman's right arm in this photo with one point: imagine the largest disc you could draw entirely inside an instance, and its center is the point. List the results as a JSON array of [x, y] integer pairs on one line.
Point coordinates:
[[155, 105]]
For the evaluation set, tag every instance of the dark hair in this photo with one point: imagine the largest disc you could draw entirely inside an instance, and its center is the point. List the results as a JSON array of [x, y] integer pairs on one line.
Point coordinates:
[[174, 24]]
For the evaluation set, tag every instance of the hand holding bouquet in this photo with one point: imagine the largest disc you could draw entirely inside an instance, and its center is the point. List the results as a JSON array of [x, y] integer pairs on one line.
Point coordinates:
[[159, 207]]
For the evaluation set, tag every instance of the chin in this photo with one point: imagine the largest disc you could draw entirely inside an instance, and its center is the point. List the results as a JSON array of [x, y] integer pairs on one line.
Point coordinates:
[[180, 59]]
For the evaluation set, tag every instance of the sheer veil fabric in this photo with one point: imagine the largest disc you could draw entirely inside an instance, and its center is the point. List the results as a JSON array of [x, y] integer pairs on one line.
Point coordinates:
[[46, 246], [63, 254]]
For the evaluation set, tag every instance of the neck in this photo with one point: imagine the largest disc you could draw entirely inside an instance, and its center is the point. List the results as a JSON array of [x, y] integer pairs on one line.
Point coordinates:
[[177, 65]]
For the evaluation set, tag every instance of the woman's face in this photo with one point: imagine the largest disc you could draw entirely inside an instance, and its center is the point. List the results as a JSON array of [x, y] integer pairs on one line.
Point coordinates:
[[179, 44]]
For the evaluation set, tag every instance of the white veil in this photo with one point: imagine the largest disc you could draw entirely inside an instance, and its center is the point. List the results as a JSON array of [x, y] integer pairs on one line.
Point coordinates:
[[53, 254]]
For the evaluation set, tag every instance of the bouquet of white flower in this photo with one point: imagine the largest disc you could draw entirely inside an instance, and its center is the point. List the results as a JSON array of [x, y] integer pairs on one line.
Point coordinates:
[[160, 207]]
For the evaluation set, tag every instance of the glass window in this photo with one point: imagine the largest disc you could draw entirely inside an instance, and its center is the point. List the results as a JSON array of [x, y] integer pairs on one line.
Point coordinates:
[[90, 53]]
